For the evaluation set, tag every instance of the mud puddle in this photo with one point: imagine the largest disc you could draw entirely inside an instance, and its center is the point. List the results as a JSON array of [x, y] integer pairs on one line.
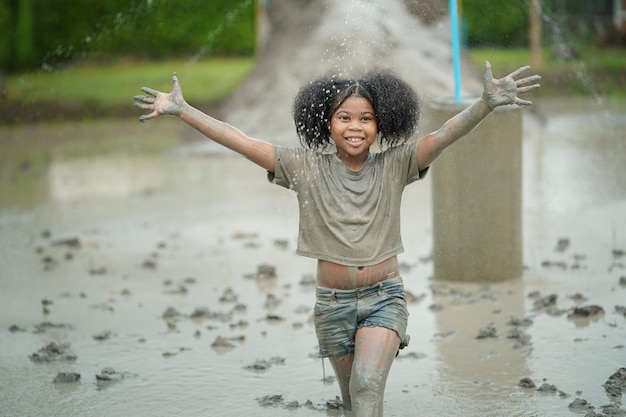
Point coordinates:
[[177, 290]]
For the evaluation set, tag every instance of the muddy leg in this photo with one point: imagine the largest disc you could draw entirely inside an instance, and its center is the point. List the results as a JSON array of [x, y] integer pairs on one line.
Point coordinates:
[[375, 350], [343, 370]]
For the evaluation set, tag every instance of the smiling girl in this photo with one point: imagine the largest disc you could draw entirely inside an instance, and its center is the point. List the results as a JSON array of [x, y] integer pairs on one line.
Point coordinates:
[[349, 199]]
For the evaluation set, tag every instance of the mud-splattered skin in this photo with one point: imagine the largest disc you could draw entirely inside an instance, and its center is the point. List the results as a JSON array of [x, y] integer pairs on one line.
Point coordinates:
[[173, 104], [331, 275], [362, 374]]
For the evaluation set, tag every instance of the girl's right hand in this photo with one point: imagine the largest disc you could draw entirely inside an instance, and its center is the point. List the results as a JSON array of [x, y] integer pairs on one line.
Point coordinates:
[[161, 103], [499, 92]]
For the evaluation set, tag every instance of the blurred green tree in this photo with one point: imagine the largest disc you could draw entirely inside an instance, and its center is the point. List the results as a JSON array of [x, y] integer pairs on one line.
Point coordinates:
[[49, 33], [25, 54], [496, 22]]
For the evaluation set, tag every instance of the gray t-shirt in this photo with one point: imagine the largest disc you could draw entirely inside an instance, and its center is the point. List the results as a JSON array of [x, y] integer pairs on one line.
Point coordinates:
[[348, 217]]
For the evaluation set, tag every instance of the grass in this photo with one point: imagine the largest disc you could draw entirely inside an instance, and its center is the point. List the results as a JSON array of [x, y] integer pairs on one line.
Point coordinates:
[[116, 84], [112, 86], [596, 71]]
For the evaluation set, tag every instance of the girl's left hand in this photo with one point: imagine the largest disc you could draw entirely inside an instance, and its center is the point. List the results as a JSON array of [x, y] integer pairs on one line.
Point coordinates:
[[499, 92]]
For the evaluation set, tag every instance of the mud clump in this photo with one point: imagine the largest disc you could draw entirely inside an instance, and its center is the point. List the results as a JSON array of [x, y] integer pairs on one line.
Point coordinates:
[[580, 404], [543, 302], [585, 311], [261, 365], [489, 331], [109, 376], [526, 383], [520, 338], [616, 384], [67, 378], [265, 271], [53, 352], [277, 400]]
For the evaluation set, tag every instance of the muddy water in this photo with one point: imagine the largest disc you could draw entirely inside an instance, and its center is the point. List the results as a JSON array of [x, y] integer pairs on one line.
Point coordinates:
[[102, 245]]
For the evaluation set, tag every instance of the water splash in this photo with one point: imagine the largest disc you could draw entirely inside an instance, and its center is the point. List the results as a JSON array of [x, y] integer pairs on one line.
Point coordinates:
[[108, 26], [559, 40], [213, 34], [115, 24]]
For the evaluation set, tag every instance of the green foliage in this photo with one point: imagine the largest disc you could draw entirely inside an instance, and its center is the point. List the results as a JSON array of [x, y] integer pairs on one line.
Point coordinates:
[[6, 30], [496, 22], [504, 23], [193, 27], [50, 33], [24, 46]]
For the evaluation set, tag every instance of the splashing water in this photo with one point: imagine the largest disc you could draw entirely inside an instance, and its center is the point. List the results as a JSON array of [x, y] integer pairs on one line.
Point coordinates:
[[344, 39], [214, 33], [559, 40], [110, 25]]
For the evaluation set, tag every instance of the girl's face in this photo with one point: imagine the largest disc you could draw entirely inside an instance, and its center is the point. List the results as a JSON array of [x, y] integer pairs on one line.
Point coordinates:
[[353, 128]]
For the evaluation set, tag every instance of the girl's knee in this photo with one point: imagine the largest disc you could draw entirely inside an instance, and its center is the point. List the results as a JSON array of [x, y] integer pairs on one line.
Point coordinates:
[[367, 395], [368, 383]]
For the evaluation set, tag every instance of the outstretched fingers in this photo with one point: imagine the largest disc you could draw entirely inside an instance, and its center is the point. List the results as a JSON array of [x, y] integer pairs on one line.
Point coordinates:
[[144, 99], [521, 102], [527, 84], [146, 117], [488, 74], [521, 90], [150, 91], [503, 91], [160, 103], [528, 80], [519, 71], [146, 103]]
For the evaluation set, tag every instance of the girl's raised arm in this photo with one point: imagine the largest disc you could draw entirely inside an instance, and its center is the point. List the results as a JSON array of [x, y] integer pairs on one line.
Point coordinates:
[[497, 92], [259, 152]]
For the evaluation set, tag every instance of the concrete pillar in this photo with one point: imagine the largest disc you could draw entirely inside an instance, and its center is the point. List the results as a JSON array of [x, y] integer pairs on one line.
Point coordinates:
[[477, 198]]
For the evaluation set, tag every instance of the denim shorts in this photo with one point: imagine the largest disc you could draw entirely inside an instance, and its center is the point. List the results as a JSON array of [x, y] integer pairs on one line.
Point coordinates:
[[339, 313]]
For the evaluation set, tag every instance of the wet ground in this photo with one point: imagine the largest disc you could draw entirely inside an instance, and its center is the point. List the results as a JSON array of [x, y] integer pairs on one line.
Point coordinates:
[[141, 283]]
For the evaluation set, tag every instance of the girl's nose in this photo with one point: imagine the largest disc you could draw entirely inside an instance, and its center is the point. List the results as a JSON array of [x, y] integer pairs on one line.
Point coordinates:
[[355, 124]]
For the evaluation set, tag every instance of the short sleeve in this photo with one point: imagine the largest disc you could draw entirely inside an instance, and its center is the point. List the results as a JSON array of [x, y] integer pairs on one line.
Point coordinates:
[[403, 162], [285, 166]]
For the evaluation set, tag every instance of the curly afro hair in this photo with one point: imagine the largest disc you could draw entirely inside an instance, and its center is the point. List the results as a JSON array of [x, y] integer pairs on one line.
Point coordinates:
[[395, 103]]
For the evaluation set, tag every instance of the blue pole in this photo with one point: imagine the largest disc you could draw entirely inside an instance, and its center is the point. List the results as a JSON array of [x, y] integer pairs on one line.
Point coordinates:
[[456, 53]]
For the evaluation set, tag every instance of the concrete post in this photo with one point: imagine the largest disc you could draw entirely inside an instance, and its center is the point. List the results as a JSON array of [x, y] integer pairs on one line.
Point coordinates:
[[477, 198]]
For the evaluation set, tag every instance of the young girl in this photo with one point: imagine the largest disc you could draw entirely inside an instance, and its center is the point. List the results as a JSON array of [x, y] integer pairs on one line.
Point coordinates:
[[349, 199]]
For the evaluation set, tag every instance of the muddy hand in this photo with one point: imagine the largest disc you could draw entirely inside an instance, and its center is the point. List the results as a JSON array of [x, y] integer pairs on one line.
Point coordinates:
[[161, 103], [498, 92]]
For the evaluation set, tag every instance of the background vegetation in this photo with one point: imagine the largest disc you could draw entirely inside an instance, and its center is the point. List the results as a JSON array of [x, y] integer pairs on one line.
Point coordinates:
[[48, 33], [496, 23], [82, 58]]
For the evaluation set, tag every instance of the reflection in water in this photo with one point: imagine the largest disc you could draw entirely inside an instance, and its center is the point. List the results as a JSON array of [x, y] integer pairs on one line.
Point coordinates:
[[103, 177], [577, 160], [482, 346]]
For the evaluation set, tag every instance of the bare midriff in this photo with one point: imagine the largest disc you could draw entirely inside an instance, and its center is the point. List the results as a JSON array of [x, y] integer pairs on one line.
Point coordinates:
[[342, 277]]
